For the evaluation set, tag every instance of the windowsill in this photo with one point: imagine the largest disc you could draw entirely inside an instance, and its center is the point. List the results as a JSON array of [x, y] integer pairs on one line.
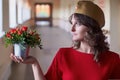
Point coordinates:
[[2, 34]]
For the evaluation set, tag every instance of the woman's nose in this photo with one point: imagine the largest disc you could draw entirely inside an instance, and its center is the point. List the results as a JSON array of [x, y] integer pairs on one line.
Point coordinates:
[[73, 28]]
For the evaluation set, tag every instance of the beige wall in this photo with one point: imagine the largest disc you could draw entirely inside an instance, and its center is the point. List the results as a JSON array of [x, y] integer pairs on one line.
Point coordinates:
[[66, 9], [5, 15], [115, 25], [5, 52]]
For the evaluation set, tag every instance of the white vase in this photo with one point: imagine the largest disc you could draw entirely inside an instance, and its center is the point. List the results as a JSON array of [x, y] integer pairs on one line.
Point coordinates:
[[21, 50]]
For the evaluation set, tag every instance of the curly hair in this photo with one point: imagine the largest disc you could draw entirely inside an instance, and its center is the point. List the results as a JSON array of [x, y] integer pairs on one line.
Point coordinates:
[[95, 37]]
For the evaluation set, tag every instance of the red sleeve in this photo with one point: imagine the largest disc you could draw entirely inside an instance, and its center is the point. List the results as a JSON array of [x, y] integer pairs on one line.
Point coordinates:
[[54, 70], [116, 71]]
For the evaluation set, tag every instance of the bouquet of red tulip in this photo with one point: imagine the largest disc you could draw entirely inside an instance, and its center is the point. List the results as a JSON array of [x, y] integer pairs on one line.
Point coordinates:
[[23, 36]]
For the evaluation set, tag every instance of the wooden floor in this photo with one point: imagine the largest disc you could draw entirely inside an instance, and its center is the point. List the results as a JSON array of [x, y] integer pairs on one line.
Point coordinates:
[[52, 39]]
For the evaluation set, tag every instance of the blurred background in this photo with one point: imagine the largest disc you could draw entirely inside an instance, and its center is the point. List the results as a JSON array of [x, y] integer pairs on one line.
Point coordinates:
[[50, 19]]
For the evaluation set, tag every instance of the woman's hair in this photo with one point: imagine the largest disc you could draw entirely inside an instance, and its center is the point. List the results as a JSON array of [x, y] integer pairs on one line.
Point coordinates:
[[95, 37]]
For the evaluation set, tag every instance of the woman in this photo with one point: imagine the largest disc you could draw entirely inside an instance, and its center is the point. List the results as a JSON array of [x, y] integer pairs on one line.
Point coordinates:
[[89, 58]]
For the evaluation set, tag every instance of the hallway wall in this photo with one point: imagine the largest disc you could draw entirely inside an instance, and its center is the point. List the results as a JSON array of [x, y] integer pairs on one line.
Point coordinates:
[[4, 52], [5, 61], [66, 9], [115, 25]]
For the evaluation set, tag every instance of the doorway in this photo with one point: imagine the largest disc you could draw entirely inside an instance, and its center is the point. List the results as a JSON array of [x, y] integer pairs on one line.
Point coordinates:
[[43, 13]]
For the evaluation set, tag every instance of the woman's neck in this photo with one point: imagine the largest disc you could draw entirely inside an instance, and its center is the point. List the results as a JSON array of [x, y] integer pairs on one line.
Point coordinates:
[[84, 47]]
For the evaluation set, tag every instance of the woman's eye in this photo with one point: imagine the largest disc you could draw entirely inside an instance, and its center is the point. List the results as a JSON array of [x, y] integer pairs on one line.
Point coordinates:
[[77, 25]]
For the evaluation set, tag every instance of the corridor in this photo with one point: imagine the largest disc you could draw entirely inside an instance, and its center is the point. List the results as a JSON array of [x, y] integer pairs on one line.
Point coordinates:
[[54, 36], [52, 39]]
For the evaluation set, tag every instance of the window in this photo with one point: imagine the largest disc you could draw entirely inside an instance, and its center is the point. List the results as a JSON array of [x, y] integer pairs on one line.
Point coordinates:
[[26, 12], [19, 11], [12, 13], [43, 13], [1, 22], [42, 10], [0, 15]]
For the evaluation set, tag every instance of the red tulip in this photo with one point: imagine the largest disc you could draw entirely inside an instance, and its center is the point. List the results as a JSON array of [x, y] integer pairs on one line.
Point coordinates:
[[12, 31], [8, 35], [31, 32], [24, 28], [19, 32]]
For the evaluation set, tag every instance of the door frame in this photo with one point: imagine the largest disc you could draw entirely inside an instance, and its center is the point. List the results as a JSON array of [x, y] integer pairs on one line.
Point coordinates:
[[44, 19]]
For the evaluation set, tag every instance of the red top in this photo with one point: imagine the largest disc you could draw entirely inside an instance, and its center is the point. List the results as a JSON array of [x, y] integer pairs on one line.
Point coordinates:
[[70, 64]]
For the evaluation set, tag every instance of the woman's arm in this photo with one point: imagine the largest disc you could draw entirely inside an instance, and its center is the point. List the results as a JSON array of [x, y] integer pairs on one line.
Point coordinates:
[[38, 74]]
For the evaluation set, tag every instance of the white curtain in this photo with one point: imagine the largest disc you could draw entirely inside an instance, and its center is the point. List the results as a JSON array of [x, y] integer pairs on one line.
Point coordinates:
[[26, 11], [12, 13], [19, 11]]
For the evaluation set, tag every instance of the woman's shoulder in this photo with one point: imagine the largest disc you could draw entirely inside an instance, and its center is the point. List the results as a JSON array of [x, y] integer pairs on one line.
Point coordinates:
[[64, 50], [112, 54]]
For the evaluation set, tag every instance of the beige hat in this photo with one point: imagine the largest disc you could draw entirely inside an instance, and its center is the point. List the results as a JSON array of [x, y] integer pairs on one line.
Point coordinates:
[[90, 9]]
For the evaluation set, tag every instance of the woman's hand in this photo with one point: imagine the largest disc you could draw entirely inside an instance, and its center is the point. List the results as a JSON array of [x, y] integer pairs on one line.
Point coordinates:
[[37, 71], [27, 60]]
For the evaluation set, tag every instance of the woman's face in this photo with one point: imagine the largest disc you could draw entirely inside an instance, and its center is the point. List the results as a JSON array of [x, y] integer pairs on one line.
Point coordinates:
[[78, 30]]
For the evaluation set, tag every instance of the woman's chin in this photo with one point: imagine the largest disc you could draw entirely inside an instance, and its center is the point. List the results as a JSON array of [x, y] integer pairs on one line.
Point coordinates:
[[74, 39], [77, 39]]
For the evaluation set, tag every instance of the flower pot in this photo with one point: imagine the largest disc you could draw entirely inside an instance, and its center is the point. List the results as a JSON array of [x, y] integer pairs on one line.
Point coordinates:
[[21, 50]]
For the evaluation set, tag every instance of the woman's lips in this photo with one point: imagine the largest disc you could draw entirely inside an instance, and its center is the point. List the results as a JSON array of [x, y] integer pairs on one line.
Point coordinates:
[[74, 34]]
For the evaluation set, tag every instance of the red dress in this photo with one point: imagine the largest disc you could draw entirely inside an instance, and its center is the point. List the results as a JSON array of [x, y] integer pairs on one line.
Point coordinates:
[[70, 64]]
